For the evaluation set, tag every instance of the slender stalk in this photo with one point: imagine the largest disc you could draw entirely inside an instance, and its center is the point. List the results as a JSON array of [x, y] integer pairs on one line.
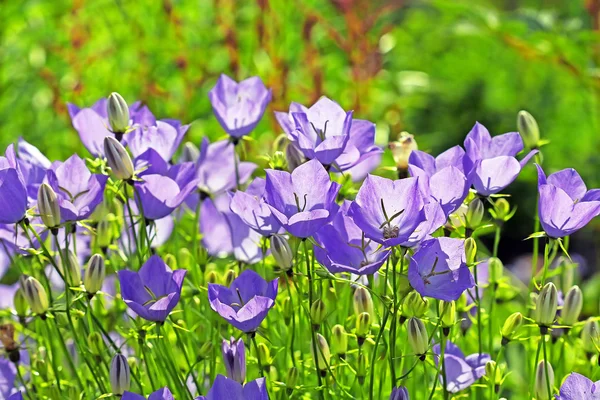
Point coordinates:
[[260, 367], [52, 354], [546, 367], [546, 263], [236, 165], [479, 338]]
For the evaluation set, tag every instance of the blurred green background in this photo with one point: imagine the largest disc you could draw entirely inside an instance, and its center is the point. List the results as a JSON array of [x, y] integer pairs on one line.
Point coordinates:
[[432, 68]]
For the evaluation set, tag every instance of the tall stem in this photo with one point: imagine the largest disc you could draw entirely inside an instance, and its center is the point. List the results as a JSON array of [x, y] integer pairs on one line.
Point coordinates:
[[310, 301]]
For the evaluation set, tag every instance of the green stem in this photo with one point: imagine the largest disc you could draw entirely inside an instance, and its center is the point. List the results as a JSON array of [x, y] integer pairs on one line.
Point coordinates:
[[546, 367], [52, 354], [310, 301], [546, 263], [260, 367]]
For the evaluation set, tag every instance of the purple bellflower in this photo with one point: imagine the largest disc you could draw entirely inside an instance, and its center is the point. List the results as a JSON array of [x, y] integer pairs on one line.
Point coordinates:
[[160, 394], [16, 396], [32, 165], [234, 357], [239, 106], [13, 192], [304, 200], [8, 373], [461, 371], [252, 208], [163, 136], [343, 247], [492, 161], [399, 393], [224, 388], [578, 387], [565, 204], [246, 303], [438, 269], [153, 291]]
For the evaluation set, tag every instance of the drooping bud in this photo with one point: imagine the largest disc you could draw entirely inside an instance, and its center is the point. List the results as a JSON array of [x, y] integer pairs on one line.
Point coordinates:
[[94, 275], [323, 355], [291, 379], [528, 128], [512, 324], [414, 305], [35, 294], [447, 312], [362, 365], [234, 358], [282, 252], [48, 207], [401, 150], [118, 159], [363, 326], [95, 343], [474, 213], [572, 306], [470, 251], [318, 312], [546, 305], [363, 302], [120, 374], [496, 269], [72, 271], [339, 341], [20, 303], [118, 113], [417, 337], [590, 336], [190, 153], [265, 356], [541, 383], [230, 277], [399, 393], [493, 373]]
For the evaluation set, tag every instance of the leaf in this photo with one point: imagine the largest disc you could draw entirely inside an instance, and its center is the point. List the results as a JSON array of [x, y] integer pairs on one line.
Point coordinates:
[[536, 235]]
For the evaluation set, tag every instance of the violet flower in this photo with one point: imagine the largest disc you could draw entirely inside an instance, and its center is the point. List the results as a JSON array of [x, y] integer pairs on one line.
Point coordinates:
[[438, 269], [252, 208], [246, 303], [8, 373], [32, 165], [579, 387], [13, 192], [492, 160], [153, 291], [399, 393], [565, 204], [16, 396], [163, 136], [234, 358], [461, 371], [239, 106], [304, 200], [443, 178], [224, 388], [343, 247], [160, 394]]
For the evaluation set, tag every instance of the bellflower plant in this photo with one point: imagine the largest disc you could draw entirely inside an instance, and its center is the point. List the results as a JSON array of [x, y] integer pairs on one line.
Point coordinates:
[[246, 302], [13, 192], [577, 387], [252, 208], [461, 371], [224, 388], [234, 356]]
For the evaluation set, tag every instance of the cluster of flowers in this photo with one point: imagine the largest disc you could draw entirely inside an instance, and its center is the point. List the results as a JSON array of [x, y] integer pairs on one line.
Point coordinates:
[[422, 227]]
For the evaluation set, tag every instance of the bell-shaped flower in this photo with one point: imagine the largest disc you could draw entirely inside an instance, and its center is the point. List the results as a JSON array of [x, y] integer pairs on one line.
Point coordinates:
[[234, 358], [492, 161], [13, 190], [344, 248], [252, 208], [438, 269], [153, 291], [461, 371], [360, 156], [565, 203], [32, 165], [304, 200], [246, 302], [160, 394], [163, 136], [225, 388], [239, 106], [443, 178], [8, 373], [578, 387], [79, 191]]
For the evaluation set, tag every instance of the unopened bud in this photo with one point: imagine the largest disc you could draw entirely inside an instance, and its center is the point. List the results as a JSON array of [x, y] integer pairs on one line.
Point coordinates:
[[20, 303], [94, 275], [72, 271], [35, 294], [414, 305], [265, 355], [211, 277], [493, 372], [291, 378], [399, 393], [541, 383], [546, 305], [572, 306], [339, 341], [171, 261], [447, 311], [318, 312], [118, 113], [287, 308], [470, 251], [323, 355], [282, 252], [184, 258], [402, 148], [502, 209], [230, 277], [234, 358], [363, 302], [362, 365], [474, 213], [96, 344], [104, 232], [120, 375], [496, 269], [590, 336], [363, 326], [48, 206], [118, 159], [417, 337], [528, 128], [512, 324]]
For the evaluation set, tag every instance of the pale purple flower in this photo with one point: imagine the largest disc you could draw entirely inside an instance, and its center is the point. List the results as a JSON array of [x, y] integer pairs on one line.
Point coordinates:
[[160, 394], [8, 373], [579, 387], [252, 208], [461, 371], [13, 192], [32, 165], [399, 393], [163, 136], [234, 358], [228, 389]]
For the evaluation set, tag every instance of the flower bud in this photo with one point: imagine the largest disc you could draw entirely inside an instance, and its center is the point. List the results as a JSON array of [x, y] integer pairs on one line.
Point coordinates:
[[120, 375], [118, 159], [171, 261], [417, 337], [265, 355], [362, 365], [294, 157], [363, 326], [414, 305], [502, 209], [447, 311], [230, 277], [190, 153], [317, 313], [470, 251], [278, 161], [474, 213], [94, 275], [20, 303], [282, 252], [184, 258], [590, 336], [118, 113], [339, 341], [48, 206], [528, 128], [541, 383], [211, 277], [104, 232], [72, 271], [511, 326], [572, 306], [95, 343], [546, 305], [206, 350], [402, 148], [234, 358], [323, 355], [399, 393], [461, 303], [496, 269], [35, 294], [287, 308], [291, 378], [363, 302]]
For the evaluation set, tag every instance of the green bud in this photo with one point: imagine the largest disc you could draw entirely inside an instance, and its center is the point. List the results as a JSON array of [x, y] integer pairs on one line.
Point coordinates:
[[96, 343], [282, 252], [230, 277], [512, 324], [546, 305], [590, 336], [470, 251], [461, 303], [94, 275], [528, 128], [572, 306], [287, 308], [171, 261], [323, 355], [184, 258], [502, 208], [318, 312], [361, 368], [291, 378], [265, 355], [35, 294], [541, 383], [496, 269], [363, 326], [339, 340], [104, 232], [118, 159], [414, 305], [118, 113], [211, 277], [417, 337], [20, 303], [41, 367], [474, 213], [72, 272], [48, 207], [120, 374], [447, 311], [363, 302], [206, 350]]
